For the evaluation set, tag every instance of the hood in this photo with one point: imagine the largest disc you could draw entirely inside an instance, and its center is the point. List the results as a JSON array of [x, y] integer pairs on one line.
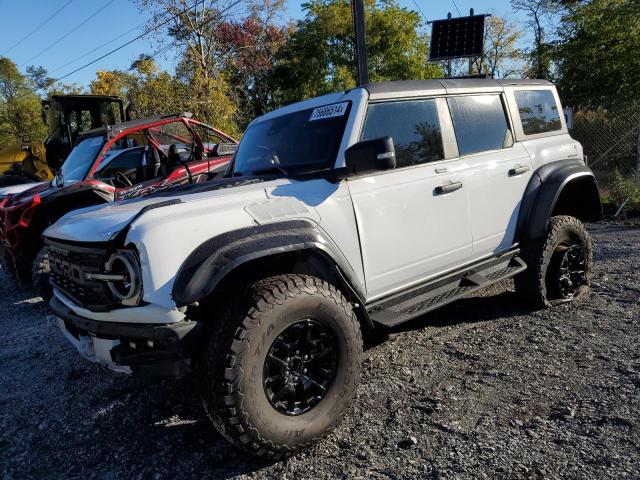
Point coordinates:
[[24, 188], [102, 223]]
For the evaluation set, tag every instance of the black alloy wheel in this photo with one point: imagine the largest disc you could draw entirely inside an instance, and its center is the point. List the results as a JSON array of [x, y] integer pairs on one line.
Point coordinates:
[[570, 270], [559, 265], [300, 367], [282, 365]]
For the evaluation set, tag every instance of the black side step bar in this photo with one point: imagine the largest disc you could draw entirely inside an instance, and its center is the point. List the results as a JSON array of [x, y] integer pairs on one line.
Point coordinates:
[[423, 298]]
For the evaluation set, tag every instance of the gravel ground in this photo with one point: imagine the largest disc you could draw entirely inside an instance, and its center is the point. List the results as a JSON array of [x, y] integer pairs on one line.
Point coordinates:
[[482, 388]]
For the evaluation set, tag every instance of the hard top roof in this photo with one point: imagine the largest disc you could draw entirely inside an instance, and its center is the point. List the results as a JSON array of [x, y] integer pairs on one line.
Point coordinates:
[[444, 85]]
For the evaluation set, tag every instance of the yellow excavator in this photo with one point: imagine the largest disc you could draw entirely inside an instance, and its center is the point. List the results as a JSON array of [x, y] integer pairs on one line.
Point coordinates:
[[66, 116]]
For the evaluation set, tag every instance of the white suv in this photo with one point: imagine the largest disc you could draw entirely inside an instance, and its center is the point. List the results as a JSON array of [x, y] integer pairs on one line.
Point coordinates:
[[350, 211]]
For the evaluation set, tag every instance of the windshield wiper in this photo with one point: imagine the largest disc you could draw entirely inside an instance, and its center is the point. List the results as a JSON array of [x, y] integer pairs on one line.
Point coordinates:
[[275, 161]]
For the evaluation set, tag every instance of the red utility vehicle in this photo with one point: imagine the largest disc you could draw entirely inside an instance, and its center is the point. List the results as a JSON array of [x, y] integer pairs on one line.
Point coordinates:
[[122, 161]]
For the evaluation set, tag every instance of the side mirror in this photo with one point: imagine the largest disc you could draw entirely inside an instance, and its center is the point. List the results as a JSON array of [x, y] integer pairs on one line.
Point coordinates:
[[224, 150], [370, 156]]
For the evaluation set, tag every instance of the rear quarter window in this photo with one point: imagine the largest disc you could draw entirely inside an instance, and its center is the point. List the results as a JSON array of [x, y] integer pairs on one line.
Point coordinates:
[[538, 111]]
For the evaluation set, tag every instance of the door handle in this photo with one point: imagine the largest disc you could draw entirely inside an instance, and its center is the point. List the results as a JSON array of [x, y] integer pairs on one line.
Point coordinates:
[[519, 170], [442, 170], [448, 188]]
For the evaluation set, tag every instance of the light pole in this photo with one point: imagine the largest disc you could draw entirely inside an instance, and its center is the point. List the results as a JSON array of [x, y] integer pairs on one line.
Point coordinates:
[[362, 71]]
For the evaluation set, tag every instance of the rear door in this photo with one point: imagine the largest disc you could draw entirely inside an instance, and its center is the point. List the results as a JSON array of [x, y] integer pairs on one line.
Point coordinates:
[[410, 230], [499, 168]]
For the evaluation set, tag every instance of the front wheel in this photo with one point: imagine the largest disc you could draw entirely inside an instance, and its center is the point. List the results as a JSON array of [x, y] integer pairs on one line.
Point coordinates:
[[283, 365], [560, 266]]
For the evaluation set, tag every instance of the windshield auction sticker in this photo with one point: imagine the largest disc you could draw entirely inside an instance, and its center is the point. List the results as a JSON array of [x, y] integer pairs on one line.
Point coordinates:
[[329, 111]]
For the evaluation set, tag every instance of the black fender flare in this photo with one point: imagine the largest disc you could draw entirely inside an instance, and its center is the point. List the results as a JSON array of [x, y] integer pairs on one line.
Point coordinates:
[[545, 188], [212, 260]]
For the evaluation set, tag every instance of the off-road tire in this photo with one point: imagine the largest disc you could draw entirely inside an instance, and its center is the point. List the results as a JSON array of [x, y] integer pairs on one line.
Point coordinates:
[[532, 285], [40, 275], [231, 375]]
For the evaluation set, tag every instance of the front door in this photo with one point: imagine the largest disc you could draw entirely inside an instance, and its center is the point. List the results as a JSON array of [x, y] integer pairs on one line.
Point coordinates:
[[413, 221]]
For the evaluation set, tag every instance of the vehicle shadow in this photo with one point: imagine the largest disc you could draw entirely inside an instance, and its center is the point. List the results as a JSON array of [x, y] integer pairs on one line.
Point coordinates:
[[469, 310], [466, 310]]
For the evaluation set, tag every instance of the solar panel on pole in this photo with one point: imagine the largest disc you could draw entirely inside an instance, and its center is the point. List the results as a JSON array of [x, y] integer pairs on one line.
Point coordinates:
[[461, 37]]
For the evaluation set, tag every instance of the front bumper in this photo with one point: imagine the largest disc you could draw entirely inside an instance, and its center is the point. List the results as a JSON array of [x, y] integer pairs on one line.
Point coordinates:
[[146, 350]]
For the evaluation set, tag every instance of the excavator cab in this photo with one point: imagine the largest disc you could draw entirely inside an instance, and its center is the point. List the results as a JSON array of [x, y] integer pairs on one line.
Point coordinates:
[[66, 116]]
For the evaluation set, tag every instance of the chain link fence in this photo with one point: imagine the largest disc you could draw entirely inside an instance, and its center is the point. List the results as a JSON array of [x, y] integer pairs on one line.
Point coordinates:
[[610, 138], [611, 141]]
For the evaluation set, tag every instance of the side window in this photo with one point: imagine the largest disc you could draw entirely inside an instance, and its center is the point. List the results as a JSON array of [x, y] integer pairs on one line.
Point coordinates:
[[539, 111], [414, 127], [210, 140], [173, 133], [129, 162], [480, 123]]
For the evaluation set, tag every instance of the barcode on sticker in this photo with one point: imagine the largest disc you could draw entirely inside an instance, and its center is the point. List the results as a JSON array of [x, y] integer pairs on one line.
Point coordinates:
[[329, 111]]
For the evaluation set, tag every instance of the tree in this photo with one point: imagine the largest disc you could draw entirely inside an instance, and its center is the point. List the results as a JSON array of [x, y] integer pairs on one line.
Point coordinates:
[[19, 106], [251, 45], [319, 56], [598, 52], [539, 14], [194, 30], [148, 90], [112, 82], [39, 77], [501, 55], [151, 91]]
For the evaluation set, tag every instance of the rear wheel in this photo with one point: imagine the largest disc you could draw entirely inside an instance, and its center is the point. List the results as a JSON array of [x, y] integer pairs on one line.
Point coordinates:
[[40, 275], [560, 267], [283, 365]]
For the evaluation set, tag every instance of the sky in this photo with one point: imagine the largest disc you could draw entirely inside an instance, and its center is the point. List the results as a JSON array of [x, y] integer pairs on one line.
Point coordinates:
[[78, 27]]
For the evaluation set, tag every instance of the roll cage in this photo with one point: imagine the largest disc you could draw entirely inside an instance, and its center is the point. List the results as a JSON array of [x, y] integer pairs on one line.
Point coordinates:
[[147, 125]]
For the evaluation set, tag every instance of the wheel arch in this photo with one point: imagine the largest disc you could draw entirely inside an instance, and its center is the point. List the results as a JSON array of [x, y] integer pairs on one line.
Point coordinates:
[[566, 187], [295, 246]]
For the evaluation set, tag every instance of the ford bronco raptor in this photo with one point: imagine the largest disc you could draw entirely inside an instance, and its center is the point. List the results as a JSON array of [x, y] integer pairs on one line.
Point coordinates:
[[350, 211], [127, 160]]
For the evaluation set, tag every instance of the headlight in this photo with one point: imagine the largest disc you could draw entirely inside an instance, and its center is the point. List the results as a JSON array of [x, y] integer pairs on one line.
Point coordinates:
[[122, 276]]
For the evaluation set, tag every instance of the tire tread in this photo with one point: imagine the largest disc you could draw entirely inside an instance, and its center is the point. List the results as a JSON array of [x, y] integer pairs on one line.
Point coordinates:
[[223, 365]]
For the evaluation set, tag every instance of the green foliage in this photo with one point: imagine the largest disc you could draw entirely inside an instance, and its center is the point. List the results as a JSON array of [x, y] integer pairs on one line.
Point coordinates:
[[319, 56], [151, 91], [598, 51], [624, 189], [19, 107], [501, 55]]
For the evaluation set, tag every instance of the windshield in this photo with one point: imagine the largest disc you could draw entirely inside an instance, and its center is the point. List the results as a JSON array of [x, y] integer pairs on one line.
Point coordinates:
[[79, 161], [297, 142], [75, 115]]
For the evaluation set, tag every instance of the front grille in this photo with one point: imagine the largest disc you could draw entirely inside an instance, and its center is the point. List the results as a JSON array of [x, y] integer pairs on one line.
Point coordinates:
[[69, 264]]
